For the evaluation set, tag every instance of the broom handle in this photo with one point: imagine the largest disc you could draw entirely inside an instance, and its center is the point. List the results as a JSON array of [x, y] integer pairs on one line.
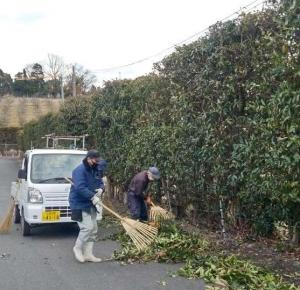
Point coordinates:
[[106, 207], [111, 211], [69, 180]]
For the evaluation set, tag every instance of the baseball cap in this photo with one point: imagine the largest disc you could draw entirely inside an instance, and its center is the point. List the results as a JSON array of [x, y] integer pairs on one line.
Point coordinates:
[[93, 154]]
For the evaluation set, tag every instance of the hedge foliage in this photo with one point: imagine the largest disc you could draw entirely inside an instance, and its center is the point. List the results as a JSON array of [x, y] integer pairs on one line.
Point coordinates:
[[220, 118], [71, 119]]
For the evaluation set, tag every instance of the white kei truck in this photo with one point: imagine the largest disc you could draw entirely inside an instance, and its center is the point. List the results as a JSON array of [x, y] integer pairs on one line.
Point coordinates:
[[41, 193]]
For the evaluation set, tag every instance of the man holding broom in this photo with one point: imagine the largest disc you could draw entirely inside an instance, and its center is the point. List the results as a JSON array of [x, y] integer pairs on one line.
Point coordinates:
[[137, 197], [86, 190]]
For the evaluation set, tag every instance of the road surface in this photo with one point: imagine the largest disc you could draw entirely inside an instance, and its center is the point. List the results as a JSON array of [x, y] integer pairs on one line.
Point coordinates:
[[45, 260]]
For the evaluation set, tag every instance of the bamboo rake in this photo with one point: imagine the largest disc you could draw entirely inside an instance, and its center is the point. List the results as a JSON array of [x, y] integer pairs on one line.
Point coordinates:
[[141, 234]]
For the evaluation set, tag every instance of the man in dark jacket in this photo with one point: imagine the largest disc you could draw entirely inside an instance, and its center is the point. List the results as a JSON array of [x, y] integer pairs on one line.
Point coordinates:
[[137, 195], [84, 195]]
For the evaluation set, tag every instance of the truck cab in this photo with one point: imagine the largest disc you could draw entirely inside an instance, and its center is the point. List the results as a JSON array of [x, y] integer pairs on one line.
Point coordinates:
[[42, 191]]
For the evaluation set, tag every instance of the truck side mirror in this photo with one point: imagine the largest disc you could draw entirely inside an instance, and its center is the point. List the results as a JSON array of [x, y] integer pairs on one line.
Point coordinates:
[[22, 174]]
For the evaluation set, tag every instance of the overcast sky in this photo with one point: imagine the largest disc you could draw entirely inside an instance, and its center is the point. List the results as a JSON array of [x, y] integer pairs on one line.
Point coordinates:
[[102, 34]]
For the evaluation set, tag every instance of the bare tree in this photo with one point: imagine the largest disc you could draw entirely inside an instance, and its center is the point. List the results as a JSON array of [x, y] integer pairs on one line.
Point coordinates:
[[84, 80], [54, 70], [54, 67]]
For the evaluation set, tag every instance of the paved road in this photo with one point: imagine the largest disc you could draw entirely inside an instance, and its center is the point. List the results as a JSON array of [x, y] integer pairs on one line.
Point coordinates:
[[45, 261]]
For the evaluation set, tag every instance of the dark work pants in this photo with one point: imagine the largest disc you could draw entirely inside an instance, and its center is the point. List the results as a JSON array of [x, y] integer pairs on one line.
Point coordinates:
[[137, 207]]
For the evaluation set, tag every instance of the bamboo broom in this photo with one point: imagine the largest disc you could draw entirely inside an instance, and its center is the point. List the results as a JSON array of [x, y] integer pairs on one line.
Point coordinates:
[[141, 234], [5, 224], [158, 214]]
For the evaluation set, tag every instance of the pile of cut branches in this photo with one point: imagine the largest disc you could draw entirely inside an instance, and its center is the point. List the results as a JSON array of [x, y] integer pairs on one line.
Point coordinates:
[[202, 260]]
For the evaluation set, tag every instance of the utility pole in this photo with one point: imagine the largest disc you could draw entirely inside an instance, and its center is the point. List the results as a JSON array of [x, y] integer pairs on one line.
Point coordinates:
[[62, 89], [74, 81]]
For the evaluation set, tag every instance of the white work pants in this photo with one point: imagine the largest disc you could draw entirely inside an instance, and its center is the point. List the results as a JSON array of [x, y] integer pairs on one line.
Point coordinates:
[[88, 226]]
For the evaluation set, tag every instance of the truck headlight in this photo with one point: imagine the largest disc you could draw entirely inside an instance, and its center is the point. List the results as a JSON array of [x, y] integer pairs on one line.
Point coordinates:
[[34, 195]]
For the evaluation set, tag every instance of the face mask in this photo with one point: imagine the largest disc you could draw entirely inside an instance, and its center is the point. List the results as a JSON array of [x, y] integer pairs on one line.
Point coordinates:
[[95, 164]]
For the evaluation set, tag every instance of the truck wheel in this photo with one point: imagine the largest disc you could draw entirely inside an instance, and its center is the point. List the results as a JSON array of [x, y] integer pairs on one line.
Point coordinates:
[[25, 226], [17, 217]]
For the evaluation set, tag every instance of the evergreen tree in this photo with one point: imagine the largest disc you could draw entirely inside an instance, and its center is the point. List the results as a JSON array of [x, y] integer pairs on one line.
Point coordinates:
[[5, 83]]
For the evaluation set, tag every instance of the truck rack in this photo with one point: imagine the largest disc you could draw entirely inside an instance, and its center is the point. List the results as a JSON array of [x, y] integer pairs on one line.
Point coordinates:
[[55, 141]]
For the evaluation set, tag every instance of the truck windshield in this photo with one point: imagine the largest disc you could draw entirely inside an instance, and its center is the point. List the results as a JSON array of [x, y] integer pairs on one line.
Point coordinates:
[[53, 168]]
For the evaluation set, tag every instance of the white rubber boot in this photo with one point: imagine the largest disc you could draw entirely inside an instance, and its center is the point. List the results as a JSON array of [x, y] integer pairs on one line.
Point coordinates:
[[88, 253], [78, 251]]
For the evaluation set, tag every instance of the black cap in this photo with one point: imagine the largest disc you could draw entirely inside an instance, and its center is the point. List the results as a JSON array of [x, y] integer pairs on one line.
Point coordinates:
[[93, 154]]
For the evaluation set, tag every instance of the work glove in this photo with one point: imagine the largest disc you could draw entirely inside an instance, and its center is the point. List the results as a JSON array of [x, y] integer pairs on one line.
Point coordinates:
[[97, 203], [95, 200], [99, 192]]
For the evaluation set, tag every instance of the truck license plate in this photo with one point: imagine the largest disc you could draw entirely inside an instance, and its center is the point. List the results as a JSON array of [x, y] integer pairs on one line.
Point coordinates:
[[50, 215]]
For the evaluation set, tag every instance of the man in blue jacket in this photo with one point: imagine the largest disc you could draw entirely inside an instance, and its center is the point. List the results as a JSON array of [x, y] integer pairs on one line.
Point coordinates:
[[85, 194]]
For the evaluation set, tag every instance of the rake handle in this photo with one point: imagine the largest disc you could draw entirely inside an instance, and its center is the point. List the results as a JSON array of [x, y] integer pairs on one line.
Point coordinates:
[[69, 180], [111, 211]]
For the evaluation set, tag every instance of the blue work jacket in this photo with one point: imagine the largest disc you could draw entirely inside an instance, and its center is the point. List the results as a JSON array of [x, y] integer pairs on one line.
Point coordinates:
[[85, 181]]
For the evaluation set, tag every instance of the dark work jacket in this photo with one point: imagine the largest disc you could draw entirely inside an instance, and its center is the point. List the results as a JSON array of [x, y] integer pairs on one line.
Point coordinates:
[[85, 181], [139, 184]]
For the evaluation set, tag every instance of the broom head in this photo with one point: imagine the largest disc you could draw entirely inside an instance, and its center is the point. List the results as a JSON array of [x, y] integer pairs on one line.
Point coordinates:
[[6, 223], [140, 233], [159, 214]]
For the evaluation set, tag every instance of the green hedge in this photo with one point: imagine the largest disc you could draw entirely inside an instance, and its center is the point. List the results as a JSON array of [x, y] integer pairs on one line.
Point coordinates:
[[219, 117], [72, 119], [9, 135]]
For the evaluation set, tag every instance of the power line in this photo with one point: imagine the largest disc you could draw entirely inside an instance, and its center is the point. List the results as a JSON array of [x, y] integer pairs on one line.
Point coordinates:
[[246, 8]]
